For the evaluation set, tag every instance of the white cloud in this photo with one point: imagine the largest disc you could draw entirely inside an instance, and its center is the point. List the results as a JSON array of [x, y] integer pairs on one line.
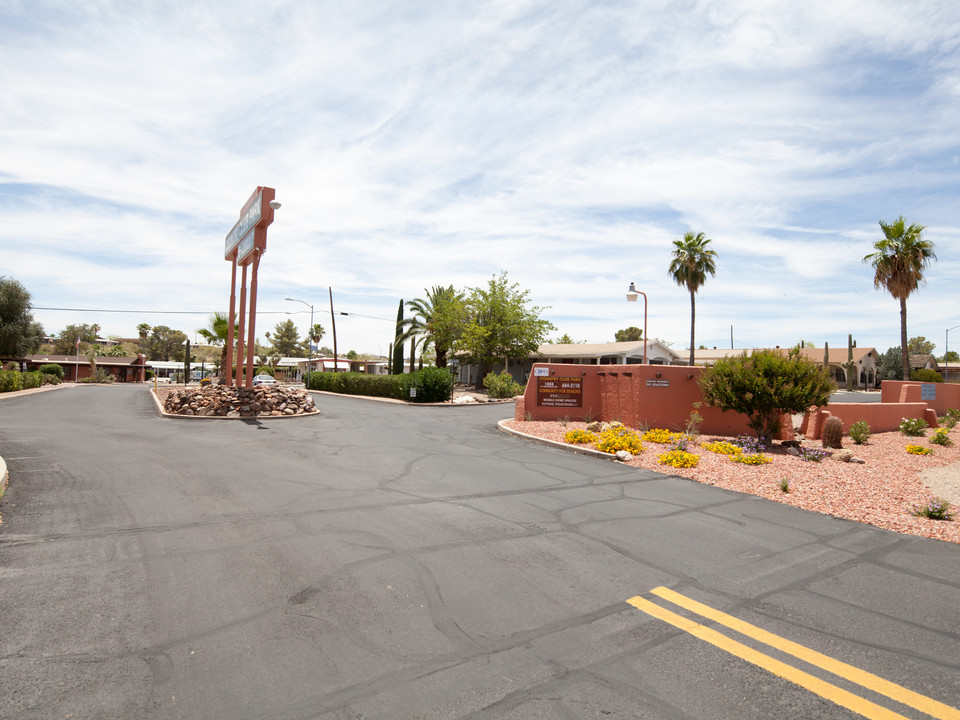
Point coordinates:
[[422, 144]]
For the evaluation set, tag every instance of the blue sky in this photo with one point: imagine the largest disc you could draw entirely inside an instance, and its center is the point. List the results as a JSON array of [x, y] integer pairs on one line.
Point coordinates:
[[415, 144]]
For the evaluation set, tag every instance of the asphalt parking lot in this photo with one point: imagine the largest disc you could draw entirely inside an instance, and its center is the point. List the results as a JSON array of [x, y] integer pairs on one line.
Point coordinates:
[[391, 561]]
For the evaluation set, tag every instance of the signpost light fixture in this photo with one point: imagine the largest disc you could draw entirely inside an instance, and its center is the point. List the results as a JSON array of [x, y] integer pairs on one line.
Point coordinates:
[[306, 384], [632, 294], [946, 354]]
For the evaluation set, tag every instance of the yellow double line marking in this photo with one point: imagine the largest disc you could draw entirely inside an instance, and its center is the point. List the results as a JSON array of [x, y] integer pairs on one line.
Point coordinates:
[[805, 680]]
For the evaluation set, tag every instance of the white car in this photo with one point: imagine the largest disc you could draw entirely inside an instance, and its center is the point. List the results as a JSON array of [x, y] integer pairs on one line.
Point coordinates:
[[264, 380]]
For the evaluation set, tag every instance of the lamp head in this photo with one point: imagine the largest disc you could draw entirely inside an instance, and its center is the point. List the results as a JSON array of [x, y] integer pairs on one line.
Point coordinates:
[[275, 205], [632, 293]]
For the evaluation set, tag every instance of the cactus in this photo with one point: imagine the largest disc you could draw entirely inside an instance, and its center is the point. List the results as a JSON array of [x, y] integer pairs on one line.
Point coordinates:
[[832, 433]]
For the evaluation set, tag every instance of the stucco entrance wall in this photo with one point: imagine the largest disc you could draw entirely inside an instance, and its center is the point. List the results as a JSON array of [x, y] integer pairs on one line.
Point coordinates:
[[898, 399], [943, 397], [647, 396]]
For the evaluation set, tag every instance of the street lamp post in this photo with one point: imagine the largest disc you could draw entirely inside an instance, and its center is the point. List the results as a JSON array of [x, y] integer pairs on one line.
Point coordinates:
[[309, 340], [632, 294], [946, 354]]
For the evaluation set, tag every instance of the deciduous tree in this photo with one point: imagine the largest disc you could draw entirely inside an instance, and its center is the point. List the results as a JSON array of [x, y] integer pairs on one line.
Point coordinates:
[[501, 325], [20, 334], [765, 384]]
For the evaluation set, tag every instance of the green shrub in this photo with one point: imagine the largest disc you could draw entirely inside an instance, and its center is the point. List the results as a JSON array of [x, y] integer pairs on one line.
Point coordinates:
[[52, 369], [764, 385], [148, 374], [353, 383], [501, 386], [10, 381], [51, 379], [264, 370], [926, 375], [32, 379], [860, 432], [939, 437], [935, 509], [432, 384], [950, 418], [913, 427]]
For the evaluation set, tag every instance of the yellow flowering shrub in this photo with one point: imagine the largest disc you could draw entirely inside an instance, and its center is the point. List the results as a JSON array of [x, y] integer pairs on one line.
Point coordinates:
[[658, 435], [679, 459], [919, 450], [722, 447], [579, 437], [619, 438], [752, 459]]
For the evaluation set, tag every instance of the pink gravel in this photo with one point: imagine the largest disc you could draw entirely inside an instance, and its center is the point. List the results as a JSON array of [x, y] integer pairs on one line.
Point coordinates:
[[880, 492]]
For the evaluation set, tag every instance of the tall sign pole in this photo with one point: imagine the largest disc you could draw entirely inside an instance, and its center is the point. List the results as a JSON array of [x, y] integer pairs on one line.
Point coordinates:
[[244, 244]]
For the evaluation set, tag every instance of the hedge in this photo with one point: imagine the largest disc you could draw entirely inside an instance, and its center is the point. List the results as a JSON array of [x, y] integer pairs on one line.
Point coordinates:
[[10, 380], [432, 384]]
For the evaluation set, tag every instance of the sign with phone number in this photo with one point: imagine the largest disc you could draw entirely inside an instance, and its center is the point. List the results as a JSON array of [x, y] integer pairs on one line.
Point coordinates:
[[559, 392]]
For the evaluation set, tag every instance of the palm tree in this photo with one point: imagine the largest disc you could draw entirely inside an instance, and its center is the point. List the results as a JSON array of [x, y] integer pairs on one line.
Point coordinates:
[[898, 263], [692, 260], [437, 319], [216, 334]]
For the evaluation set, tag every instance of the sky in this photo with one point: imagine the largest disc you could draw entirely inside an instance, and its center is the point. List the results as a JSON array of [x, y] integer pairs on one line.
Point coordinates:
[[435, 142]]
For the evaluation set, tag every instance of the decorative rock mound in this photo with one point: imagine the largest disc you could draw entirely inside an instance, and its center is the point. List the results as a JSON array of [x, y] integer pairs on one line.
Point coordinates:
[[231, 402]]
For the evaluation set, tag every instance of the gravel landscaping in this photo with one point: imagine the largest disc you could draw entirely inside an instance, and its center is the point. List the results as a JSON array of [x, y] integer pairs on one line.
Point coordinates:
[[882, 491]]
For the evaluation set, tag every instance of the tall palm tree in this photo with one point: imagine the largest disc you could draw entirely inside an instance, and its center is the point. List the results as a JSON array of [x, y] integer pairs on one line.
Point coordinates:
[[898, 263], [437, 319], [692, 261]]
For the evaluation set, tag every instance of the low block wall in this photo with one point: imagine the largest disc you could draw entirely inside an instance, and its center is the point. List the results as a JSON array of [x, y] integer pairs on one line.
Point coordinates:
[[881, 417], [636, 395], [938, 396]]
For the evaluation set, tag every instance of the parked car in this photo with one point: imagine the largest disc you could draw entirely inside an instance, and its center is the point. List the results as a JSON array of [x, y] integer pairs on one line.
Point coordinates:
[[264, 380]]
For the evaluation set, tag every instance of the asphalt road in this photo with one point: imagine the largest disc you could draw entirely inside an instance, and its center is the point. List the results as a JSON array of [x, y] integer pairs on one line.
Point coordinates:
[[389, 561]]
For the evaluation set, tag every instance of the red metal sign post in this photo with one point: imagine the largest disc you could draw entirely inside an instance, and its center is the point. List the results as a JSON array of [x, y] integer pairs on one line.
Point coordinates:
[[244, 245]]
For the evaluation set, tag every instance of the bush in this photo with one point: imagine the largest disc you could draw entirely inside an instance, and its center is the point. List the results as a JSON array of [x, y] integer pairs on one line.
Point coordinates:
[[913, 427], [205, 382], [579, 437], [764, 385], [939, 437], [51, 380], [432, 384], [919, 450], [264, 370], [148, 374], [32, 379], [750, 459], [10, 381], [935, 509], [679, 458], [926, 375], [502, 385], [950, 418], [722, 447], [812, 454], [619, 438], [52, 369], [353, 383], [659, 436], [860, 432]]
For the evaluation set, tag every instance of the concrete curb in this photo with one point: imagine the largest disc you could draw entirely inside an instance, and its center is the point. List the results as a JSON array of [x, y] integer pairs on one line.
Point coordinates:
[[4, 475], [553, 443]]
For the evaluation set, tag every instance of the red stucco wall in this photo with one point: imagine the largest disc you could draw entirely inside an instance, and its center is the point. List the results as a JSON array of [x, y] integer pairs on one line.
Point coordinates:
[[648, 396]]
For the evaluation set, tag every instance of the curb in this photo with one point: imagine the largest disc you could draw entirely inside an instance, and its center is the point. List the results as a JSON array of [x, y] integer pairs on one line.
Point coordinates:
[[4, 475], [258, 418], [553, 443]]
